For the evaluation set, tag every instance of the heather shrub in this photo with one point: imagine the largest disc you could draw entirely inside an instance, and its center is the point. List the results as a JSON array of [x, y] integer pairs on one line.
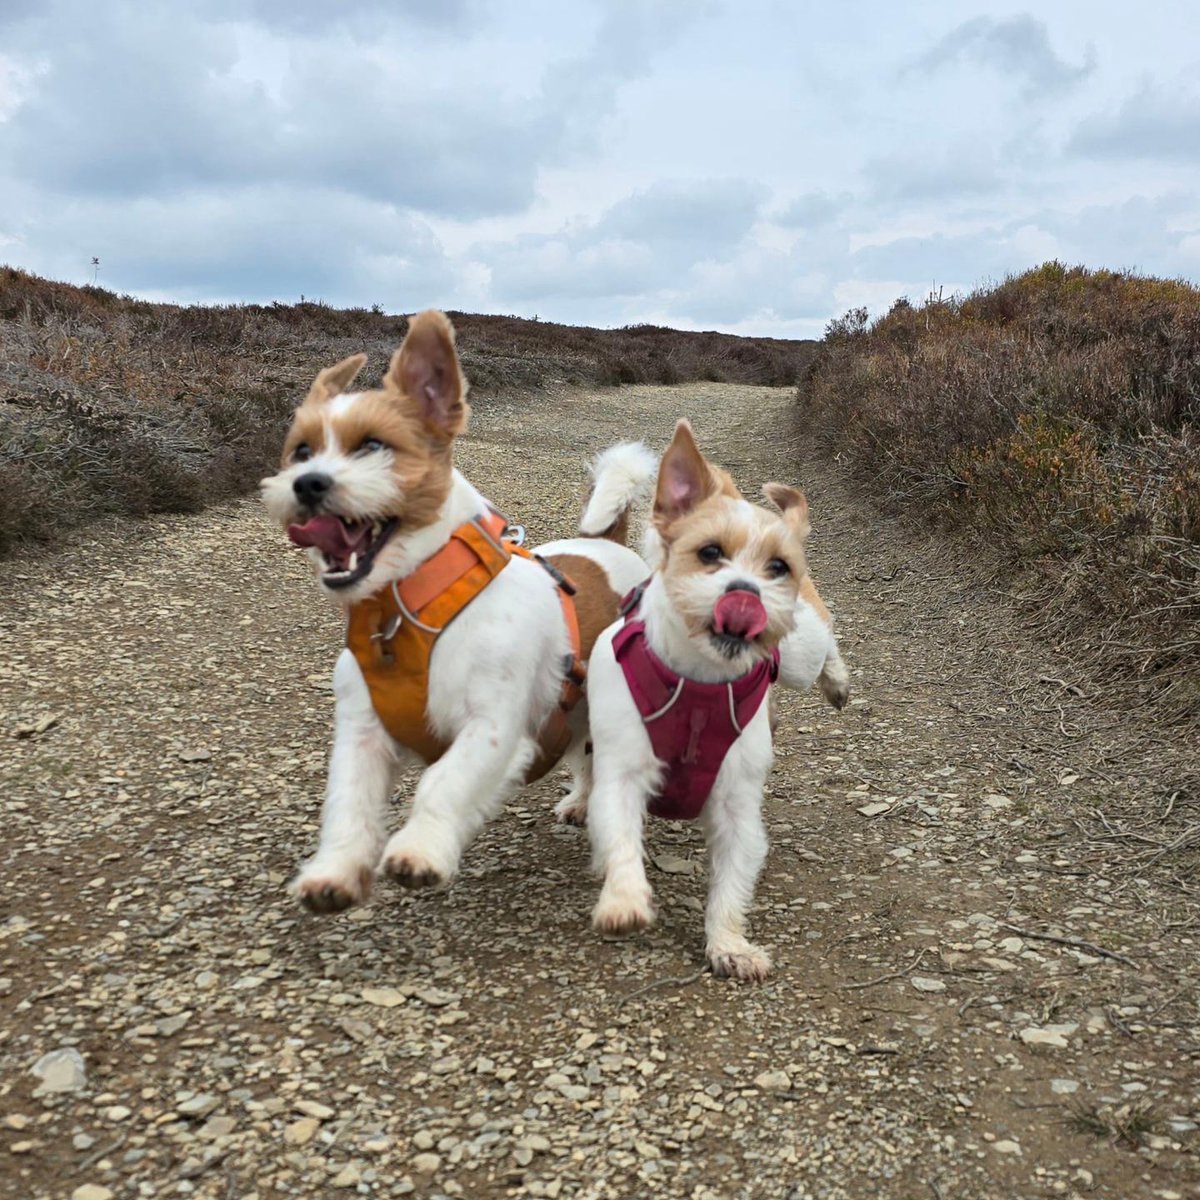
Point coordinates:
[[1055, 416]]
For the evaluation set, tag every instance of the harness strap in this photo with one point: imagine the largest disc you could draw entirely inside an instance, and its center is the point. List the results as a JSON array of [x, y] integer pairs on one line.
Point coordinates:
[[556, 729], [478, 541], [656, 694]]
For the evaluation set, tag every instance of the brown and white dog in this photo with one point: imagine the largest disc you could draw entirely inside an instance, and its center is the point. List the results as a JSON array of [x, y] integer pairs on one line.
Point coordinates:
[[677, 692], [367, 484]]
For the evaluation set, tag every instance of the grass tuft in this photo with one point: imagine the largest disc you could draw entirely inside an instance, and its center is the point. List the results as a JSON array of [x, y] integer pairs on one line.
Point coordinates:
[[1126, 1125]]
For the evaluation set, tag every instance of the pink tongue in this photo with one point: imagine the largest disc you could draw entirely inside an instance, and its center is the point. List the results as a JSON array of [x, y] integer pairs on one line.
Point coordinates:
[[740, 614], [328, 534]]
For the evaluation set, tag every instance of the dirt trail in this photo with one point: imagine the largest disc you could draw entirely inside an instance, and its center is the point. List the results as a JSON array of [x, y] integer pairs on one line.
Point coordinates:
[[483, 1042]]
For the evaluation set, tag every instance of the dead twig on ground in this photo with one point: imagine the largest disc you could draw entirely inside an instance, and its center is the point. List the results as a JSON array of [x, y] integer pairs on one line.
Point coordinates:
[[854, 987], [682, 981], [96, 1155], [1076, 943]]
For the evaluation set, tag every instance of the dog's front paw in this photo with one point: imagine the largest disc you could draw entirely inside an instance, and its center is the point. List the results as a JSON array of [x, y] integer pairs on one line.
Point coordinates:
[[621, 911], [413, 866], [739, 960], [835, 685], [572, 809], [330, 889]]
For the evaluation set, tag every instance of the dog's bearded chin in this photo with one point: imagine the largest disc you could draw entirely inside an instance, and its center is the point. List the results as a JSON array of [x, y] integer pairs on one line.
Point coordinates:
[[347, 547]]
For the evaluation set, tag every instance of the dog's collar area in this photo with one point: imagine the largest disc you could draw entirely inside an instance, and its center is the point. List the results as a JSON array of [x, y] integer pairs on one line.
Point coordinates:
[[691, 725]]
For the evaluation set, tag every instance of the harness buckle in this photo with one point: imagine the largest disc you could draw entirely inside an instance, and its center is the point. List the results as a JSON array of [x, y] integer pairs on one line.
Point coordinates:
[[389, 630], [631, 601], [514, 534]]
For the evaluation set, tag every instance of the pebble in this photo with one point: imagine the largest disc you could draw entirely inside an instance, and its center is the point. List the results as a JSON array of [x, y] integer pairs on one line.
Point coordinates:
[[198, 1106], [1048, 1035], [924, 984], [349, 1176], [312, 1108], [773, 1081], [169, 1026], [91, 1191], [60, 1071], [217, 1127], [300, 1132], [436, 997], [426, 1164], [673, 864], [384, 997], [1006, 1147]]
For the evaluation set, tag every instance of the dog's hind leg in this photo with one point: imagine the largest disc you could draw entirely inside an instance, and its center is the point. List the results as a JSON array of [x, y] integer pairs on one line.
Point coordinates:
[[572, 809], [353, 826]]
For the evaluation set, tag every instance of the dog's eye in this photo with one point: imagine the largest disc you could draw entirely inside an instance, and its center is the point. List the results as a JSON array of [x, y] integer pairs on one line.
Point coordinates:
[[709, 554], [302, 452], [777, 568], [369, 445]]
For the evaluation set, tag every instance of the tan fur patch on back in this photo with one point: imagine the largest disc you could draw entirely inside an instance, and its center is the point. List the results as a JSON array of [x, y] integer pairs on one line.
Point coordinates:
[[596, 603]]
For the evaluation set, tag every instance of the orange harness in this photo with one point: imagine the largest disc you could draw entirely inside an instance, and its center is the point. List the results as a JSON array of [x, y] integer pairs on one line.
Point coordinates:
[[392, 635]]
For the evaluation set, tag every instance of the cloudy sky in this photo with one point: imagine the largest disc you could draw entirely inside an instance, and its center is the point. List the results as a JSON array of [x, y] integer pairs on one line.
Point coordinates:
[[750, 165]]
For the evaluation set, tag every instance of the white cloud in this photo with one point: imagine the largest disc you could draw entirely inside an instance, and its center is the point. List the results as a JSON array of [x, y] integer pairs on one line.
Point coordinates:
[[1018, 47]]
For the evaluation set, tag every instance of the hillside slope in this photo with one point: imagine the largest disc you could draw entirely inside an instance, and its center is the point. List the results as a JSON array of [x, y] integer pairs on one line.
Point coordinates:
[[114, 405]]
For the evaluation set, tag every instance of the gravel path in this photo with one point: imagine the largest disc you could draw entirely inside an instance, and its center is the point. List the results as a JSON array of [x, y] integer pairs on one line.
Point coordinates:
[[165, 711]]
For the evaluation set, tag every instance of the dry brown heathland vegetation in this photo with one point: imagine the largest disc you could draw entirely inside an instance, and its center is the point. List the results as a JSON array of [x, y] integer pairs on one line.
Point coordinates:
[[1055, 417], [111, 405]]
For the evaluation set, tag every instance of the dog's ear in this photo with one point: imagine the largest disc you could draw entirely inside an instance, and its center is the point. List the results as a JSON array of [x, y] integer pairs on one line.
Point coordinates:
[[425, 371], [333, 381], [684, 478], [792, 503]]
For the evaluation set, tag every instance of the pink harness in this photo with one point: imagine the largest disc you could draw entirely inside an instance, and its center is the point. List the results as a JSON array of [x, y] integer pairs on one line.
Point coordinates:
[[691, 725]]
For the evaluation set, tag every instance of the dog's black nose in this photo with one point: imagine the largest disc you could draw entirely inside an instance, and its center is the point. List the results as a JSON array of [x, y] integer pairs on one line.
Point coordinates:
[[744, 585], [312, 488]]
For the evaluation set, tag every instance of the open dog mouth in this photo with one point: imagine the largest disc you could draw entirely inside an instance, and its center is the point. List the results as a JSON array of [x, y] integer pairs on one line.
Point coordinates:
[[348, 547], [738, 618]]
